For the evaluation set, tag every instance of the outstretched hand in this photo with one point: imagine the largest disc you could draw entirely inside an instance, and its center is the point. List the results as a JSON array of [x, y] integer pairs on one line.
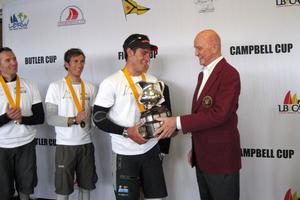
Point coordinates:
[[167, 129]]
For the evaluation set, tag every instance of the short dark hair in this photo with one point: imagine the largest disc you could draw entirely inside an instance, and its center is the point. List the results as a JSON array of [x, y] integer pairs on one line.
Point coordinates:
[[72, 53], [2, 49], [5, 49], [125, 52]]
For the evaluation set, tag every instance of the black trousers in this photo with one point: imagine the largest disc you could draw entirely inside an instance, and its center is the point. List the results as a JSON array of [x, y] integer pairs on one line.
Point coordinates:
[[17, 167], [136, 171], [218, 186]]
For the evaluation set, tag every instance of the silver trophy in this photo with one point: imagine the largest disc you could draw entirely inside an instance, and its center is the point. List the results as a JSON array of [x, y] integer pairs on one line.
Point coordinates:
[[151, 96]]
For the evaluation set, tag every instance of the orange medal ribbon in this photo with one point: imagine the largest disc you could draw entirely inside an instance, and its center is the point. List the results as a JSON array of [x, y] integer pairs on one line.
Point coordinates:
[[11, 102], [133, 87], [74, 96]]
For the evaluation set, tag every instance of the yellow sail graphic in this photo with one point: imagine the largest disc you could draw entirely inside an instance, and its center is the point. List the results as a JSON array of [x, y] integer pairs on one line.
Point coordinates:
[[295, 196], [131, 7], [295, 99]]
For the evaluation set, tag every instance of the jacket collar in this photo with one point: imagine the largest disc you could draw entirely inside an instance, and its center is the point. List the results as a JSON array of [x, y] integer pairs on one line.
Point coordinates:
[[211, 80]]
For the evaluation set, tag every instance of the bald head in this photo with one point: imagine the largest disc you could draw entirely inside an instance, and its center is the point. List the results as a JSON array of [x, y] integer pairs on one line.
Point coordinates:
[[210, 36], [207, 45]]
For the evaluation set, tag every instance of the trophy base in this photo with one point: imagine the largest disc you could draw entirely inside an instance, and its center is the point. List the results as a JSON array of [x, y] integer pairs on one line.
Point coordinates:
[[150, 123]]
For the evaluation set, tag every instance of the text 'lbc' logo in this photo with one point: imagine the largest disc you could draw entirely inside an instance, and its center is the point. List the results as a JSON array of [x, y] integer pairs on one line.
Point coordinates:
[[71, 15], [281, 3], [291, 104], [18, 21]]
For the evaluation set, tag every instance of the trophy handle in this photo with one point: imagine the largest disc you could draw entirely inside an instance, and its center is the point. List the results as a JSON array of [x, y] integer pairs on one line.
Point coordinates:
[[162, 86]]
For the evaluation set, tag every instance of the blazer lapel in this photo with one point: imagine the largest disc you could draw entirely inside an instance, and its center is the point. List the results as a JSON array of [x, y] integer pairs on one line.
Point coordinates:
[[200, 78], [211, 80]]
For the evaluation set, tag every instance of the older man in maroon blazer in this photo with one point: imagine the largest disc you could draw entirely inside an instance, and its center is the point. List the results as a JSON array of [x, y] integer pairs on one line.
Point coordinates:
[[212, 123]]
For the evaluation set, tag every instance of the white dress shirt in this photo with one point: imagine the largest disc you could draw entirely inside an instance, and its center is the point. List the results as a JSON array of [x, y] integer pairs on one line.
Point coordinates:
[[207, 70]]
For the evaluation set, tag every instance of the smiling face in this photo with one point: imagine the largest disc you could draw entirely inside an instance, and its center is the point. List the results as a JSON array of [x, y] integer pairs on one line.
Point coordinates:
[[8, 64], [207, 47], [75, 66], [138, 60]]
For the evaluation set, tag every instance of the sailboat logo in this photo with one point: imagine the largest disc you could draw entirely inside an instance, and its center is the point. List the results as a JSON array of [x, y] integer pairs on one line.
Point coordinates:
[[291, 196], [18, 21], [291, 103], [71, 15]]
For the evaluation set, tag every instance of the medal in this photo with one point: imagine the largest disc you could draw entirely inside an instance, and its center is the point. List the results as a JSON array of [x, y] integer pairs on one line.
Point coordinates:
[[82, 124], [16, 122]]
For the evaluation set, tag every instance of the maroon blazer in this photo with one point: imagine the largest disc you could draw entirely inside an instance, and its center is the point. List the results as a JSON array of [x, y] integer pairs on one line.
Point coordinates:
[[213, 122]]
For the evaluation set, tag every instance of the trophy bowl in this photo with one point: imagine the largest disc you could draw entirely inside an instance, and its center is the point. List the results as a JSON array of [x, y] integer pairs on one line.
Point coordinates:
[[151, 96]]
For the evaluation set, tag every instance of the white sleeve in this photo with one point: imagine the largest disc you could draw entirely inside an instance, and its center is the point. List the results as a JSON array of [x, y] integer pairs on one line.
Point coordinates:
[[178, 123], [52, 95], [93, 94], [106, 95], [36, 97]]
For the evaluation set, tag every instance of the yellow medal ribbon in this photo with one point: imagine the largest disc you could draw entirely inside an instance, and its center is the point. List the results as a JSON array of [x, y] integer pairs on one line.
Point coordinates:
[[8, 94], [133, 87], [74, 96]]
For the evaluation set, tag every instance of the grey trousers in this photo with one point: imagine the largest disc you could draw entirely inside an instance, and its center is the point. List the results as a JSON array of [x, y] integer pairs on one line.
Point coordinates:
[[218, 186]]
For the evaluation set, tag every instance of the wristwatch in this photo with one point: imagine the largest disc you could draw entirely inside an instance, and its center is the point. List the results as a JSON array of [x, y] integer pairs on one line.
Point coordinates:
[[74, 120], [71, 121], [125, 133]]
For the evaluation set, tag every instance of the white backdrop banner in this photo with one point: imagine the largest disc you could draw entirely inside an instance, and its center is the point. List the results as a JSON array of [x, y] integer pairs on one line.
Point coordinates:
[[260, 38]]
